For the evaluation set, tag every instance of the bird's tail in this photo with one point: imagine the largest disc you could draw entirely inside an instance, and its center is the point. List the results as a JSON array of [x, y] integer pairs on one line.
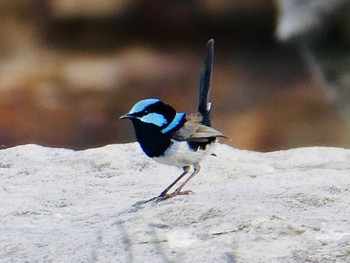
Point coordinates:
[[204, 107]]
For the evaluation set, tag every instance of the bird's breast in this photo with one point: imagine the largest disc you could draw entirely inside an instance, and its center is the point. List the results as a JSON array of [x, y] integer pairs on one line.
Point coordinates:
[[181, 154]]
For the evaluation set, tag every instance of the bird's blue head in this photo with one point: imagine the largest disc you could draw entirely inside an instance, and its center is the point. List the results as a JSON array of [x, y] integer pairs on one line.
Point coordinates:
[[154, 112]]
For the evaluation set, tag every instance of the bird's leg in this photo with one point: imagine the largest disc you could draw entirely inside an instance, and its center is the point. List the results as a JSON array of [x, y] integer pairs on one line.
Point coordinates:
[[197, 168], [186, 170]]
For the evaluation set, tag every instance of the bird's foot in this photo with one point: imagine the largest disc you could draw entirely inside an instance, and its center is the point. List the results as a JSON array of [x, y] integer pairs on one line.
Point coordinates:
[[163, 197], [188, 192]]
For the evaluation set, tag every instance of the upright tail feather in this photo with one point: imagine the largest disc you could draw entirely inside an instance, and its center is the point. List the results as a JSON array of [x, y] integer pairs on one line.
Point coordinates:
[[204, 106]]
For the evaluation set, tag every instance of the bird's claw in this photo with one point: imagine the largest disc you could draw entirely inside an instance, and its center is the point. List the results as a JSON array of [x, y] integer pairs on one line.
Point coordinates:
[[188, 192], [163, 197]]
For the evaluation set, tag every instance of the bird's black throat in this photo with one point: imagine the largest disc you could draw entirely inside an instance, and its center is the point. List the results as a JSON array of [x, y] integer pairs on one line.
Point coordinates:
[[152, 141]]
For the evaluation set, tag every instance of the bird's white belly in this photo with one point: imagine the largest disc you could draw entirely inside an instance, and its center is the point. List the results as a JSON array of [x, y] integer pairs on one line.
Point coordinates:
[[180, 154]]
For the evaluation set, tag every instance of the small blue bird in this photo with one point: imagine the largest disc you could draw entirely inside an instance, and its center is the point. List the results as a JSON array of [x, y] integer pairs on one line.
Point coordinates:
[[174, 138]]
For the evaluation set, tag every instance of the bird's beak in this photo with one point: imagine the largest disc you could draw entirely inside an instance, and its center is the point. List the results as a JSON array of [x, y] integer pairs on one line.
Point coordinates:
[[126, 116]]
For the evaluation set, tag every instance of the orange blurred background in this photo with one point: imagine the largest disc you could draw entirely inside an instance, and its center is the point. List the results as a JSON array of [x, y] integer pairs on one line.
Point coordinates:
[[69, 69]]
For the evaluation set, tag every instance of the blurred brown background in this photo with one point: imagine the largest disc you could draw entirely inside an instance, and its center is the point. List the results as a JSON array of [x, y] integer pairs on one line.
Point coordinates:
[[70, 68]]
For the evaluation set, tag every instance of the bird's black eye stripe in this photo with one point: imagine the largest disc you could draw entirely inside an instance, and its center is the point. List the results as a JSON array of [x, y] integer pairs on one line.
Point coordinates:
[[139, 114], [160, 108], [156, 107], [166, 110]]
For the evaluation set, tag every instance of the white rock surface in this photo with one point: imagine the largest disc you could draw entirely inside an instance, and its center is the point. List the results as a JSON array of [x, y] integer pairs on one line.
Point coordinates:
[[60, 205]]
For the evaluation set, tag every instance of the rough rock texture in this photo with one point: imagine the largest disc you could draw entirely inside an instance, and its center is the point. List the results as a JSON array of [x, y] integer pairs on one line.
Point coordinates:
[[60, 205]]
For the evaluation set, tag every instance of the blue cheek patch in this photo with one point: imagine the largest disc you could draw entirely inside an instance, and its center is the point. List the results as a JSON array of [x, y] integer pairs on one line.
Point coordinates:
[[154, 118], [179, 117], [141, 105]]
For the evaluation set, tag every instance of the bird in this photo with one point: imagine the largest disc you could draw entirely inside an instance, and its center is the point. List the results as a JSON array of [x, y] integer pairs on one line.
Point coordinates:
[[176, 138]]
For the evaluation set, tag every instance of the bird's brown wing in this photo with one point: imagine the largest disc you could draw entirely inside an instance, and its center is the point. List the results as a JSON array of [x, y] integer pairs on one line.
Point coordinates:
[[195, 131]]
